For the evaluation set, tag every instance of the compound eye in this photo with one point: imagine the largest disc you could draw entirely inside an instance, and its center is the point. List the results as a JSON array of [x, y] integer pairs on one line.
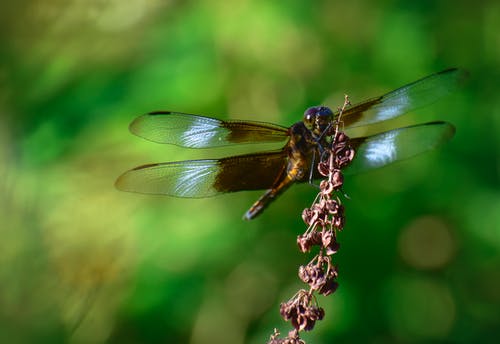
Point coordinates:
[[324, 118], [325, 112], [310, 117]]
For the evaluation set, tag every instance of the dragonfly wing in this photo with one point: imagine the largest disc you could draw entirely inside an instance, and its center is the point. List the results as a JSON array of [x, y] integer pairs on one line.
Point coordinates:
[[405, 99], [195, 131], [385, 148], [205, 178]]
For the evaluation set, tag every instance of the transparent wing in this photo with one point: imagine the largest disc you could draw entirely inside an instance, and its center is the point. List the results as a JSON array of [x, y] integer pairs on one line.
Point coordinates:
[[194, 131], [205, 178], [398, 144], [405, 99]]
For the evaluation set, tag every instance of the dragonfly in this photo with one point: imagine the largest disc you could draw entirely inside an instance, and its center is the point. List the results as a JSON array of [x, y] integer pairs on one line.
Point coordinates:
[[276, 170]]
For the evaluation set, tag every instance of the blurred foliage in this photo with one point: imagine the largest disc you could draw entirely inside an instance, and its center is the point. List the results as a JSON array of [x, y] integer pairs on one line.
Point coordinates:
[[81, 262]]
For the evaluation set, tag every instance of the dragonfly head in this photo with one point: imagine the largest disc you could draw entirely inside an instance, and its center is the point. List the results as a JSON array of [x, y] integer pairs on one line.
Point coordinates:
[[317, 119]]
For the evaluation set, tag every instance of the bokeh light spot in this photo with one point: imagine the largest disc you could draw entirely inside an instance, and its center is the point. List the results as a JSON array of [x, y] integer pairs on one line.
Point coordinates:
[[427, 243], [419, 308]]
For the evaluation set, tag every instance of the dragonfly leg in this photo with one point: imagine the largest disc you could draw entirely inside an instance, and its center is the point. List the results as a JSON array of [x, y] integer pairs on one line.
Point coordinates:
[[311, 169]]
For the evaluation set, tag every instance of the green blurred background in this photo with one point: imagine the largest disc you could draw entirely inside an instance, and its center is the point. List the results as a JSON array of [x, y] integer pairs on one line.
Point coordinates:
[[82, 262]]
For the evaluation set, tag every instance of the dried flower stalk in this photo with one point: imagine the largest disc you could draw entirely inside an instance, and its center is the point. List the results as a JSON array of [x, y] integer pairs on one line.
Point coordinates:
[[325, 218]]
